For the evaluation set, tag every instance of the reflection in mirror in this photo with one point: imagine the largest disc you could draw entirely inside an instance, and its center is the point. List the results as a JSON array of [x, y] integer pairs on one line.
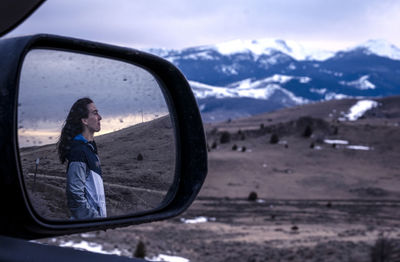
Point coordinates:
[[132, 131]]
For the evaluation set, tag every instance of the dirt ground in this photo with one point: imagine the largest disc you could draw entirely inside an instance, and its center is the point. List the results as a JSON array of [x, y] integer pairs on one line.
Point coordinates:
[[242, 230], [302, 198]]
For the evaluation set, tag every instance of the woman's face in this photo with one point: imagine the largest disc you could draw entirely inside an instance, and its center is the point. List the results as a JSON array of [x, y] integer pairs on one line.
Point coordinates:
[[92, 122]]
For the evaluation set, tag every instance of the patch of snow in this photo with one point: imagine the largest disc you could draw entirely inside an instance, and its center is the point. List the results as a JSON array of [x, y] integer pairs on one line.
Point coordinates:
[[381, 48], [282, 79], [261, 89], [296, 99], [203, 91], [240, 149], [271, 60], [167, 258], [229, 70], [261, 93], [260, 201], [200, 56], [356, 147], [292, 66], [359, 109], [163, 52], [318, 91], [362, 83], [338, 74], [197, 220], [334, 96], [304, 79], [88, 235], [336, 141], [89, 246]]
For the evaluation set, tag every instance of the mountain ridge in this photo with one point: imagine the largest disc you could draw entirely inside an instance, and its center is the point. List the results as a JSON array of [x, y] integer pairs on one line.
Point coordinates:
[[284, 73]]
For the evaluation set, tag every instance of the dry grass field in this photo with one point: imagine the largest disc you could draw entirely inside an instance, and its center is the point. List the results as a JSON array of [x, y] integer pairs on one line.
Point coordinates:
[[291, 185]]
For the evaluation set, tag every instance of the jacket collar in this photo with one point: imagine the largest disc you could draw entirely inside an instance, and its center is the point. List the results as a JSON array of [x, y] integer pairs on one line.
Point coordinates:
[[80, 137], [91, 144]]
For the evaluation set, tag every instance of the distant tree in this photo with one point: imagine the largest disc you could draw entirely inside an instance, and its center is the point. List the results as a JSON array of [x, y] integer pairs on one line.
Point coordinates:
[[225, 137], [335, 130], [139, 157], [242, 136], [244, 149], [385, 250], [262, 126], [234, 147], [214, 145], [274, 139], [140, 251], [252, 196], [307, 131], [312, 145]]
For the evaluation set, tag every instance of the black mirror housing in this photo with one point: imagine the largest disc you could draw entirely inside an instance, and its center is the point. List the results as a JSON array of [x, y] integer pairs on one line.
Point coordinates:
[[17, 217]]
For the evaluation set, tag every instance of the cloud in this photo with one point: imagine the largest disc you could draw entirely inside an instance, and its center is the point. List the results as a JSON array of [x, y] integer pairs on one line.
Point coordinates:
[[180, 23]]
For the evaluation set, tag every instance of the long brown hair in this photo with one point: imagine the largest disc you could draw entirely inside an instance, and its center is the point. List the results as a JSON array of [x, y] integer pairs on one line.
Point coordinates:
[[72, 126]]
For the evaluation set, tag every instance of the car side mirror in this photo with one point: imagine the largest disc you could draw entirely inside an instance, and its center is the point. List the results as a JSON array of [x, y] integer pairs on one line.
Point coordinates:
[[124, 123]]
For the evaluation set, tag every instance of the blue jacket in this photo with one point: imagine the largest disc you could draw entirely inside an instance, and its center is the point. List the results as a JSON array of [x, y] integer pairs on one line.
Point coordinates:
[[85, 190]]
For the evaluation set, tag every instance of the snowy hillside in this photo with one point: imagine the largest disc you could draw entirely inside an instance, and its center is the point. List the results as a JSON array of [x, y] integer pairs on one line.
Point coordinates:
[[259, 89]]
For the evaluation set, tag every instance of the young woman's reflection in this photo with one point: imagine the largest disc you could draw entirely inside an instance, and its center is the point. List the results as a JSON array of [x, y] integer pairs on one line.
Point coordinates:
[[85, 190]]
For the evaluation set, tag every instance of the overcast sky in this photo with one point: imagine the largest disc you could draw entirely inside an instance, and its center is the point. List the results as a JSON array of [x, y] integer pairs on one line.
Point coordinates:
[[331, 24]]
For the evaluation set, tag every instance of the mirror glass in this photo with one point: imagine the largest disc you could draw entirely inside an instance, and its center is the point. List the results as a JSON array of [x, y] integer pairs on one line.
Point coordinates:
[[130, 166]]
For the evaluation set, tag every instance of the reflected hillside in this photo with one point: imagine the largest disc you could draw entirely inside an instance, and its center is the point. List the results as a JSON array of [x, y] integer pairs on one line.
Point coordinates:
[[138, 165]]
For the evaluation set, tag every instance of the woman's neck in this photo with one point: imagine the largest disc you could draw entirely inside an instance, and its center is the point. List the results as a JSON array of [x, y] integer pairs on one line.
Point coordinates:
[[87, 135]]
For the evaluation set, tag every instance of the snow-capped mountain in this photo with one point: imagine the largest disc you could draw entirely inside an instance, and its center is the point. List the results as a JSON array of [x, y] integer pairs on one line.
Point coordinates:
[[242, 78], [268, 46], [380, 48]]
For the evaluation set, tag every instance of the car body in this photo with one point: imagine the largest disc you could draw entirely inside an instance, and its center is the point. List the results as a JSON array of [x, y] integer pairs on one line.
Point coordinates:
[[19, 220]]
